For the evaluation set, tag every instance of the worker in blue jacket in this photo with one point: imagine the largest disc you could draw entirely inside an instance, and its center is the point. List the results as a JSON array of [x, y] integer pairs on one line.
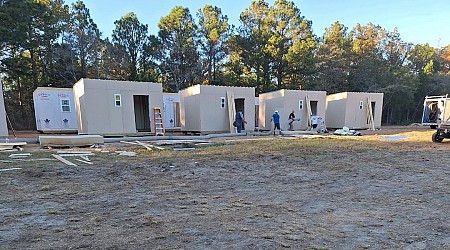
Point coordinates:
[[276, 122]]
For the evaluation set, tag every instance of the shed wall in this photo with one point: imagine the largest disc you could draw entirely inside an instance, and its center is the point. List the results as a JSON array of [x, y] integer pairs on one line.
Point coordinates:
[[347, 105], [286, 101], [3, 124], [48, 111], [202, 110], [98, 113]]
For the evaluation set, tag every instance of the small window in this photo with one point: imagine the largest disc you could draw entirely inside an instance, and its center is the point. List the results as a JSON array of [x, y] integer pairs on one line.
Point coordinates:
[[300, 104], [361, 105], [65, 105], [118, 100], [222, 102]]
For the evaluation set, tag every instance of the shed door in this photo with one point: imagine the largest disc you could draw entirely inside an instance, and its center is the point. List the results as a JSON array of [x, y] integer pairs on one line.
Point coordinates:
[[239, 106], [372, 105], [141, 113], [313, 107]]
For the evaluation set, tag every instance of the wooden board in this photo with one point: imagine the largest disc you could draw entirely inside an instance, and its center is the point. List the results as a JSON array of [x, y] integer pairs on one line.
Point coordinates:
[[64, 160], [231, 110], [11, 145], [71, 141]]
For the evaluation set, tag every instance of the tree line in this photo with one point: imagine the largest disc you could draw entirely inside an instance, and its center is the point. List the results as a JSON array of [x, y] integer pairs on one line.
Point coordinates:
[[48, 43]]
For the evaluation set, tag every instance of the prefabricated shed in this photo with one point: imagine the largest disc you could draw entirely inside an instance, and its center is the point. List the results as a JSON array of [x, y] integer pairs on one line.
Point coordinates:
[[116, 107], [3, 125], [355, 110], [208, 108], [54, 110], [304, 103], [171, 108]]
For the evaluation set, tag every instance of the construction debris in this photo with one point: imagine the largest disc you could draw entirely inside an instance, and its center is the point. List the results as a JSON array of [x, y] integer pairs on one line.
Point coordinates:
[[85, 157], [183, 149], [173, 142], [71, 141], [146, 145], [87, 162], [69, 154], [74, 152], [64, 160], [35, 159], [346, 131], [126, 153], [394, 138], [24, 155], [12, 146], [9, 169]]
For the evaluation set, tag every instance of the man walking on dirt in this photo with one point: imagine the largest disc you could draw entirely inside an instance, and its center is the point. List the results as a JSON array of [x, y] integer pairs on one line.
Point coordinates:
[[291, 120], [276, 122]]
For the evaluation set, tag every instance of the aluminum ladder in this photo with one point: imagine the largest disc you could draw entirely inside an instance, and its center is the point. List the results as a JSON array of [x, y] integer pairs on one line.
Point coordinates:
[[158, 121]]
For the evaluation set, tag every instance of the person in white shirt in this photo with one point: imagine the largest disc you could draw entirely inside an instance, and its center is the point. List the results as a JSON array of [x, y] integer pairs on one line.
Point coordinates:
[[314, 121]]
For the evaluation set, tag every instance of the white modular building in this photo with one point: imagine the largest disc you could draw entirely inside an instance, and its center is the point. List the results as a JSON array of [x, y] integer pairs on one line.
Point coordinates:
[[355, 110], [304, 103], [109, 107], [54, 110], [209, 109]]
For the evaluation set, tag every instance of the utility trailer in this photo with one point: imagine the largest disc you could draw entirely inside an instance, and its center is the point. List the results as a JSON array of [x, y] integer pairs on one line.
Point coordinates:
[[435, 111]]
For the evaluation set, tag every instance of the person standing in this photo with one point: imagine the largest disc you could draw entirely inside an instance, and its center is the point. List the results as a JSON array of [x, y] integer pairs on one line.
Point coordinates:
[[314, 121], [291, 120], [240, 121], [276, 121]]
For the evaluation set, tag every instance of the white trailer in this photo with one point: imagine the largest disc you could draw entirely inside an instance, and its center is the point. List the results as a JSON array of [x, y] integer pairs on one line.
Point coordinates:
[[54, 109]]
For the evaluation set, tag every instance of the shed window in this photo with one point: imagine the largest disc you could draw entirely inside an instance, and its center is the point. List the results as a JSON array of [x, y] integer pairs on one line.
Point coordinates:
[[118, 100], [300, 104], [361, 105], [222, 102], [65, 105]]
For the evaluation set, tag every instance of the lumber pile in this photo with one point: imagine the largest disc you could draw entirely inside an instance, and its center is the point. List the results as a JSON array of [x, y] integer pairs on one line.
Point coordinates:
[[71, 141], [9, 146]]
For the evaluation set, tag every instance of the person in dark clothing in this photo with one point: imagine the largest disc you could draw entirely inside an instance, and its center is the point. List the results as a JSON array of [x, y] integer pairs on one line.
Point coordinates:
[[240, 121], [291, 120]]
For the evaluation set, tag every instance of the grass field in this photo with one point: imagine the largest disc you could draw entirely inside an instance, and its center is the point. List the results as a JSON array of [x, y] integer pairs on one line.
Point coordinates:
[[247, 193]]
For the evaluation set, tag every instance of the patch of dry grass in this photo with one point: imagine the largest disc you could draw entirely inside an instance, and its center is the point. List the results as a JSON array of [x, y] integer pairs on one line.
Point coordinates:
[[269, 146]]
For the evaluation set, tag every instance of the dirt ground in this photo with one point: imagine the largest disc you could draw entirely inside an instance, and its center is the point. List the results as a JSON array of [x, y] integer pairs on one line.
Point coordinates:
[[298, 193]]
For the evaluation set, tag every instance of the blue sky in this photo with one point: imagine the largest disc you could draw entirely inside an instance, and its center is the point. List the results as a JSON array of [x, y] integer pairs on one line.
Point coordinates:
[[418, 21]]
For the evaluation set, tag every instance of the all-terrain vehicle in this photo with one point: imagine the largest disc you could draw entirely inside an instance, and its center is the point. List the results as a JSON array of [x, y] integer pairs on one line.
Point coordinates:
[[442, 132], [435, 110]]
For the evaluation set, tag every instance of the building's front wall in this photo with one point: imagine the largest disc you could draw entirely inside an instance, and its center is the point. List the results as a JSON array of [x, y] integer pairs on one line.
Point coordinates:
[[286, 101], [202, 110], [3, 125], [292, 103], [98, 112], [336, 110], [352, 106], [268, 103], [191, 112], [48, 110], [170, 101]]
